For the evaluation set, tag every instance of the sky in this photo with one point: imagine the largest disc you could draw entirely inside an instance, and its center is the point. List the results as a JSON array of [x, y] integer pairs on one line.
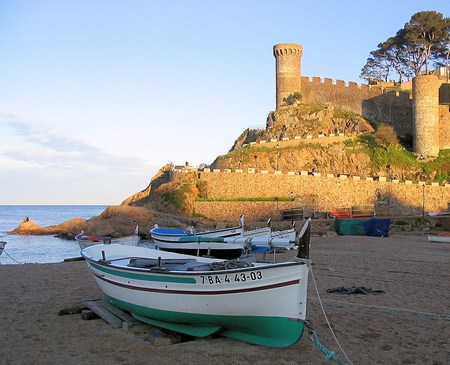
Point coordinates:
[[97, 95]]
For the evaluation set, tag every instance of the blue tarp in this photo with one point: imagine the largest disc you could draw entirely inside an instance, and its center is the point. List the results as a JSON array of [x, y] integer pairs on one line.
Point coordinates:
[[377, 227]]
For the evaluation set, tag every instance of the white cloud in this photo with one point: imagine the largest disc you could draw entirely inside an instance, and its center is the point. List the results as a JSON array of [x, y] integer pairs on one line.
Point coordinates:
[[35, 153]]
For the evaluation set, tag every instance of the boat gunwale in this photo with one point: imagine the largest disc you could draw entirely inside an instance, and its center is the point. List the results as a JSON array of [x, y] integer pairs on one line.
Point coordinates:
[[293, 262], [181, 232]]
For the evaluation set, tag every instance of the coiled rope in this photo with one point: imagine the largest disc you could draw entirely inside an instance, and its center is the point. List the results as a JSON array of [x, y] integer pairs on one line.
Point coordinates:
[[329, 355]]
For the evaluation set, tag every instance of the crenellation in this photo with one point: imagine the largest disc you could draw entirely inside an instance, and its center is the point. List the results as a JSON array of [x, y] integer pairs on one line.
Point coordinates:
[[330, 191], [365, 88], [417, 114], [354, 85]]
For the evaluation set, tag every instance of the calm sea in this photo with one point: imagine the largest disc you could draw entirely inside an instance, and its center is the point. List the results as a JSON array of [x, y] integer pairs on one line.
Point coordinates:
[[40, 249]]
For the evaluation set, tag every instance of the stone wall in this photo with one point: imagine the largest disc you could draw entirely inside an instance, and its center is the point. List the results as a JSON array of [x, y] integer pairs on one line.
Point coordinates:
[[424, 120], [444, 119], [372, 102], [426, 115], [313, 193]]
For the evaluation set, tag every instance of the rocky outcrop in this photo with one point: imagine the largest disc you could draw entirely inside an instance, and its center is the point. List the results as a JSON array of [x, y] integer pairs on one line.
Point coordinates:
[[115, 221], [69, 228], [302, 120]]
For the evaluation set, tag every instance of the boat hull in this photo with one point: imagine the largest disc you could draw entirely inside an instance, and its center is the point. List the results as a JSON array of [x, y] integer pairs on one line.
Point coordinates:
[[90, 240], [165, 235], [263, 304], [441, 237], [220, 251]]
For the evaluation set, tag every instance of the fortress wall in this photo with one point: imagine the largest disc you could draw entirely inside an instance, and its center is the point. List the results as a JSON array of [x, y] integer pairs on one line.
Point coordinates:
[[319, 193], [371, 102], [330, 92], [444, 121], [392, 108], [444, 127]]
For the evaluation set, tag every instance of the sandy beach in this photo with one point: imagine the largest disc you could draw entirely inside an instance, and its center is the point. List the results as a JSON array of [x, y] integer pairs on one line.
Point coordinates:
[[407, 324]]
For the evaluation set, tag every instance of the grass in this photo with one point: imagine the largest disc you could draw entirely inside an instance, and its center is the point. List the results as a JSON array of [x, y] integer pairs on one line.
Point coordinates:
[[251, 199]]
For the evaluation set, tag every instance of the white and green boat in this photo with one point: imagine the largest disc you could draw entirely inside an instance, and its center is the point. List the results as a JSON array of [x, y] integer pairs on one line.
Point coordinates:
[[257, 302]]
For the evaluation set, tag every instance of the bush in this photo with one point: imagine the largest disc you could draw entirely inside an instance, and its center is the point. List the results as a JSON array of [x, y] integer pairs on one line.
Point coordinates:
[[386, 135], [292, 98]]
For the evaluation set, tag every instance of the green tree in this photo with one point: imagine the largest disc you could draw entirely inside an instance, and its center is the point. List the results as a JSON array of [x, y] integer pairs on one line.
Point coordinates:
[[422, 42]]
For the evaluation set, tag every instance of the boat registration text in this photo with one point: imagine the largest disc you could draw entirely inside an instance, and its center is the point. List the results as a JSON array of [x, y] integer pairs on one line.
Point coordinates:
[[231, 278]]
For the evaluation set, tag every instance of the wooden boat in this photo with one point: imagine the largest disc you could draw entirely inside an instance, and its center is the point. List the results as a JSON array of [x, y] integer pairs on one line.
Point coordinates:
[[2, 246], [229, 247], [440, 237], [257, 302], [87, 239], [211, 243], [165, 235]]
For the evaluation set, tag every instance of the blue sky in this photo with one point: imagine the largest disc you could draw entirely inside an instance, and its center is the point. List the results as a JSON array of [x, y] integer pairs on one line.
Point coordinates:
[[96, 96]]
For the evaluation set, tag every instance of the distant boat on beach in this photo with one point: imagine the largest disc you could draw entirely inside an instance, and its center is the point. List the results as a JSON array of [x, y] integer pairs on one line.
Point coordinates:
[[87, 239], [440, 237], [2, 246]]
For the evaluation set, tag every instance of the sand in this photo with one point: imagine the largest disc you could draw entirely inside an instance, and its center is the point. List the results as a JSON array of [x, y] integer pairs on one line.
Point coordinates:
[[408, 324]]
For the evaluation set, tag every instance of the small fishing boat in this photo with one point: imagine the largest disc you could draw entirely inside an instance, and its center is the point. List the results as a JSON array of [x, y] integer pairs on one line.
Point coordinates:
[[216, 243], [2, 246], [161, 234], [257, 302], [87, 239], [440, 237], [229, 247]]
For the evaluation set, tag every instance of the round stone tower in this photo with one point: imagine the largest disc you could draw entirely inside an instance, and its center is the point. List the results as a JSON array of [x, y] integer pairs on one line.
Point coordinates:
[[426, 115], [288, 59]]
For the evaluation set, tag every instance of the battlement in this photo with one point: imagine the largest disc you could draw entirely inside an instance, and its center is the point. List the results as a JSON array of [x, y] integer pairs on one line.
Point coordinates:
[[320, 192], [378, 102], [349, 86], [319, 81], [286, 49]]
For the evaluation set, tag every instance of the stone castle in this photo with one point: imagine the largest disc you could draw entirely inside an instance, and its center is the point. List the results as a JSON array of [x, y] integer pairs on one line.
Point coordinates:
[[421, 116], [222, 188]]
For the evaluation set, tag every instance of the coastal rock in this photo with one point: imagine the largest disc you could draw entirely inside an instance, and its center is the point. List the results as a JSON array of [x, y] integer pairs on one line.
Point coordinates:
[[114, 221], [69, 227]]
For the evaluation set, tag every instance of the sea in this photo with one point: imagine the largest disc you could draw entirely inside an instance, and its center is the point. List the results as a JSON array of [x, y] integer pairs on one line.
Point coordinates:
[[23, 249]]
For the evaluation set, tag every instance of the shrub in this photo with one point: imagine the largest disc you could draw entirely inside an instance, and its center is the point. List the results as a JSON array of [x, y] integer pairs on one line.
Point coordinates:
[[386, 135]]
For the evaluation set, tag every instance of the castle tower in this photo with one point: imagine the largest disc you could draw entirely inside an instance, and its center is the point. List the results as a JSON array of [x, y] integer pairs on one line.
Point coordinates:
[[288, 69], [426, 115]]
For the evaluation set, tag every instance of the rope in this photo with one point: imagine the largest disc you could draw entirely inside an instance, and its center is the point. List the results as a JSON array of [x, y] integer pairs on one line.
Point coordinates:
[[7, 254], [314, 337], [329, 355], [228, 265], [384, 309]]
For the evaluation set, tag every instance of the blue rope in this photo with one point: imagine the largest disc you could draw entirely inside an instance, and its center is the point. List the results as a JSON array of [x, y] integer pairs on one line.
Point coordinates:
[[329, 355]]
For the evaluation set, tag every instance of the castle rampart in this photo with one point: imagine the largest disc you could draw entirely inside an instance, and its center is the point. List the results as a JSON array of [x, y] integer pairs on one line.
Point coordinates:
[[320, 193], [426, 123]]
